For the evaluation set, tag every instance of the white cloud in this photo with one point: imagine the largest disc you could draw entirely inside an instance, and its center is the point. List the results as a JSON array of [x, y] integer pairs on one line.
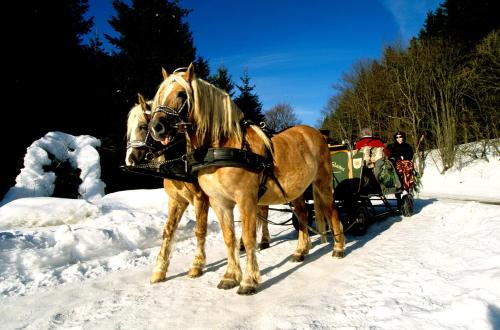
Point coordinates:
[[409, 14]]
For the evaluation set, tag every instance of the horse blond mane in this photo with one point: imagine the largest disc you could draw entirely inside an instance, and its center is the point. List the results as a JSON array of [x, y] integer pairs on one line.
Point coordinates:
[[135, 115], [215, 114]]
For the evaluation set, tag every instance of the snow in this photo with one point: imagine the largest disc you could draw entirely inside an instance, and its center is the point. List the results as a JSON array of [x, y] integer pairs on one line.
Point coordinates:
[[80, 151], [85, 263]]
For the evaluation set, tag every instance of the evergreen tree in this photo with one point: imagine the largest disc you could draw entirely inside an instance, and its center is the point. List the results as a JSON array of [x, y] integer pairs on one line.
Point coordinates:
[[152, 35], [248, 101], [48, 45], [465, 22], [47, 68], [222, 79], [202, 68]]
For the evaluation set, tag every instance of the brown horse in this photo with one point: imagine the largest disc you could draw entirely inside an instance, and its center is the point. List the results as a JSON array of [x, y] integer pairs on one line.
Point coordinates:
[[300, 158], [180, 194]]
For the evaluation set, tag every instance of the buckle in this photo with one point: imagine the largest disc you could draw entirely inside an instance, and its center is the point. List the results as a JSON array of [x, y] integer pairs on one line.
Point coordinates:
[[183, 126]]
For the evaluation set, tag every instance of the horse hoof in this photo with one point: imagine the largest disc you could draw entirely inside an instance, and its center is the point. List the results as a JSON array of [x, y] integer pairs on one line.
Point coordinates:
[[227, 284], [297, 258], [247, 290], [195, 272], [338, 254], [263, 245], [157, 277]]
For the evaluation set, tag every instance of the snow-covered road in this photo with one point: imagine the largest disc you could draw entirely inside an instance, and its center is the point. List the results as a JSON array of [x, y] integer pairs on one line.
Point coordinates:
[[439, 269]]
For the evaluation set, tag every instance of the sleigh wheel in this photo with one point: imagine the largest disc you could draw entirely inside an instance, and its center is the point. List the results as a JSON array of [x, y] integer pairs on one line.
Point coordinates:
[[361, 219]]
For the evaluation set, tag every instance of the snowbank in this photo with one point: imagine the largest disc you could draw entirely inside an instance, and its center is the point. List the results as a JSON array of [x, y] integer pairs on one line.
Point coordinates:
[[34, 181]]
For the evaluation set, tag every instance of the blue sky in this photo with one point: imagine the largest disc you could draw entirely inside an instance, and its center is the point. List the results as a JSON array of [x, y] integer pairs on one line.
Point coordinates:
[[294, 51]]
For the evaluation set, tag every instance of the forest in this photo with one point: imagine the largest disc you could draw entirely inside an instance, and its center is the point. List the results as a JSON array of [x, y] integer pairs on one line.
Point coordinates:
[[442, 89]]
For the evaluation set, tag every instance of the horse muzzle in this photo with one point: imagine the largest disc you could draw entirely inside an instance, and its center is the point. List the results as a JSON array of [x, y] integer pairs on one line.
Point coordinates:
[[161, 130]]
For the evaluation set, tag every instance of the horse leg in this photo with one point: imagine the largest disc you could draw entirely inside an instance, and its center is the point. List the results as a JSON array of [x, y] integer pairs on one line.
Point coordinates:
[[175, 210], [265, 239], [320, 217], [201, 212], [262, 225], [303, 243], [232, 276], [248, 216], [338, 233], [324, 205]]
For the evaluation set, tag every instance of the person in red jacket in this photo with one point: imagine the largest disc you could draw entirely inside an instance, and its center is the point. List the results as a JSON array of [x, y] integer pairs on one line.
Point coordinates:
[[367, 139]]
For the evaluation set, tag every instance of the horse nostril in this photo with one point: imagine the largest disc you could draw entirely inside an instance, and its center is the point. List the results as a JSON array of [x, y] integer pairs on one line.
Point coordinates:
[[129, 161], [157, 127]]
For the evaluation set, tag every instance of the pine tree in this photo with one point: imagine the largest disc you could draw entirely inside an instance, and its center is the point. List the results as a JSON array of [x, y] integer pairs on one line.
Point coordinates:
[[152, 35], [248, 101], [45, 62], [222, 79], [202, 68], [465, 22]]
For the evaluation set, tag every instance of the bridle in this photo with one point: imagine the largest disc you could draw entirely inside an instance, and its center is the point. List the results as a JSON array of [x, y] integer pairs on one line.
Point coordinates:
[[148, 143], [177, 119]]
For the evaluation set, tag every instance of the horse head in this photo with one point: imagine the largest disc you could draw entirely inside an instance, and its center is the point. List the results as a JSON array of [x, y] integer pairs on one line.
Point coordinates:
[[139, 145], [172, 105], [186, 104]]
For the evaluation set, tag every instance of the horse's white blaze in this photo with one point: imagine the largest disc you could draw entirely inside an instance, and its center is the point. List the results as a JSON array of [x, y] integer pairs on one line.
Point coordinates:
[[133, 123], [168, 90]]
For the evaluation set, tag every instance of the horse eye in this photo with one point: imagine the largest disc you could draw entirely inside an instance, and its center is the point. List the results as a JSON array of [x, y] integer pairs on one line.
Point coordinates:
[[182, 95], [144, 127]]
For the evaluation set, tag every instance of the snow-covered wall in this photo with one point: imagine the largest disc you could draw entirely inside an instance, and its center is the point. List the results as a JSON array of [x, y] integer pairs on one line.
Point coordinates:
[[80, 151]]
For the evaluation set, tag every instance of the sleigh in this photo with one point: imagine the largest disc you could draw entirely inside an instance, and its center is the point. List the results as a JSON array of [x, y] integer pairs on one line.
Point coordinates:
[[363, 189]]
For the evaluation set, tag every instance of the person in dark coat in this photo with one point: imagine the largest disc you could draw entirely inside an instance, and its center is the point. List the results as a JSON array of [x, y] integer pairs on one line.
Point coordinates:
[[400, 151]]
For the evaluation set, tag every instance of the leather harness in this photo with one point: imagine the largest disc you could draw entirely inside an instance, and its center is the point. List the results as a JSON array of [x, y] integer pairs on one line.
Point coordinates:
[[233, 157]]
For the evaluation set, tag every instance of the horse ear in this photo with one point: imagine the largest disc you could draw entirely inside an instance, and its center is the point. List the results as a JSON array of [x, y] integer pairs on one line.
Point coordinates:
[[189, 75], [143, 103], [164, 73]]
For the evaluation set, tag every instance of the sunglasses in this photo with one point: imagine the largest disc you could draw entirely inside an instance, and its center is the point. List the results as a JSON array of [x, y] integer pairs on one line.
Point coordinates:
[[399, 137]]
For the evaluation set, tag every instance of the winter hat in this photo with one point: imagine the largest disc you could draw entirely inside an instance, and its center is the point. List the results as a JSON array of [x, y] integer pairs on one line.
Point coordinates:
[[400, 134]]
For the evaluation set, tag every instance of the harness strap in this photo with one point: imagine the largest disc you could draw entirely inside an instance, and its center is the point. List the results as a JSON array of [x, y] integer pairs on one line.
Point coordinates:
[[275, 179], [232, 157], [172, 169]]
